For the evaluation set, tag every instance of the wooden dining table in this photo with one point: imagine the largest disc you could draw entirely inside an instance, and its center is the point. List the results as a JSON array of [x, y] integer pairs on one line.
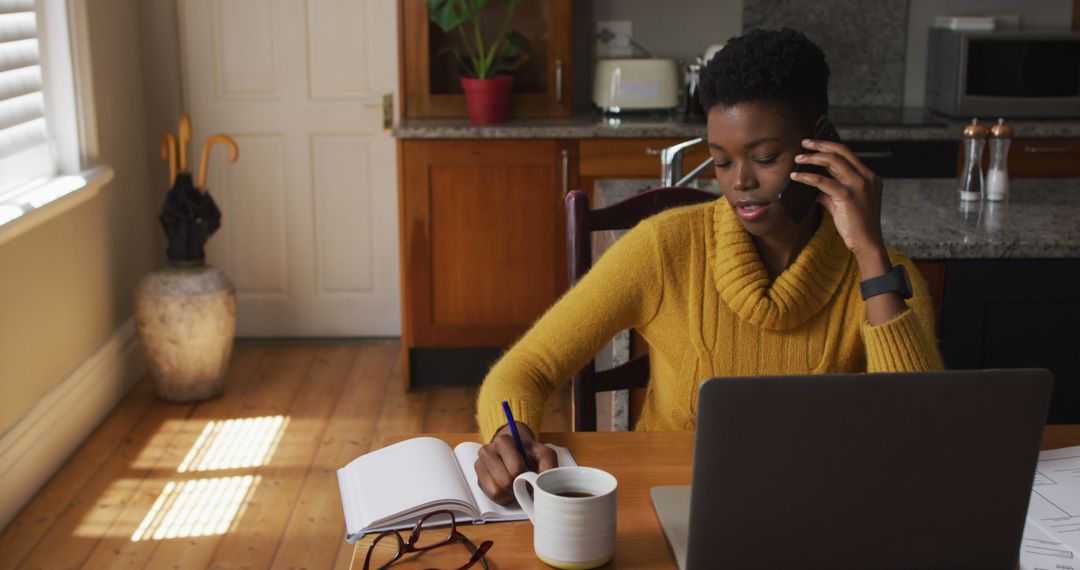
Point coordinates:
[[640, 461]]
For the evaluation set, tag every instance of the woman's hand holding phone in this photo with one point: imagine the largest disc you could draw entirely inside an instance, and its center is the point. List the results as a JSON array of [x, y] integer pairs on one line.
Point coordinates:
[[852, 196]]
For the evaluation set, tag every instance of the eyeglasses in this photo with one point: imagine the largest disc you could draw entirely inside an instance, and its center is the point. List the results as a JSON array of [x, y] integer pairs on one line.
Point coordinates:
[[432, 539]]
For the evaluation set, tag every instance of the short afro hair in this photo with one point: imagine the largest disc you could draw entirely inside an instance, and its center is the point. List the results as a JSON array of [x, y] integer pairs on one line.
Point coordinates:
[[769, 66]]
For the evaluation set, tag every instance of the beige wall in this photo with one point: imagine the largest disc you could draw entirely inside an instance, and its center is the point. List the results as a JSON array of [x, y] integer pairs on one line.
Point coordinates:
[[66, 285]]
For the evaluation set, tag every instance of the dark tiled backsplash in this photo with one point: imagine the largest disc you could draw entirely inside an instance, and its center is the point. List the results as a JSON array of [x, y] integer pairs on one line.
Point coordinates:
[[864, 43]]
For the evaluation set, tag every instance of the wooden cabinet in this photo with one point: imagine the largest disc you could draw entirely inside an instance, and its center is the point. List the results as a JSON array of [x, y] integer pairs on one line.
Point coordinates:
[[631, 158], [1041, 158], [933, 272], [635, 158], [429, 75], [1017, 313], [1037, 158], [483, 230]]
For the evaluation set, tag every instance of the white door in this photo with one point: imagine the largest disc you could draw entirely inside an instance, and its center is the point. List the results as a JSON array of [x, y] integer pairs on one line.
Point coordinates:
[[309, 228]]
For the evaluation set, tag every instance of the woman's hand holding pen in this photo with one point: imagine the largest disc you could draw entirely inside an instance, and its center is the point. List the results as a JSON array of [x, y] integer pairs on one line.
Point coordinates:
[[499, 462]]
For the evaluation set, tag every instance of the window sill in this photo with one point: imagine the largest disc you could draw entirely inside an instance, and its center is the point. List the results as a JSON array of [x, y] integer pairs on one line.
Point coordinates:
[[34, 206]]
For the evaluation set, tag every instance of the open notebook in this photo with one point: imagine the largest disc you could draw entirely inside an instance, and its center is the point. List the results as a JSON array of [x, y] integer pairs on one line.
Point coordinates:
[[393, 487]]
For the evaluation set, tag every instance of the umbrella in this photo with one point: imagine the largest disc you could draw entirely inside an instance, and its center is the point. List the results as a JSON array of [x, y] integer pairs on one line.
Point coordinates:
[[189, 215]]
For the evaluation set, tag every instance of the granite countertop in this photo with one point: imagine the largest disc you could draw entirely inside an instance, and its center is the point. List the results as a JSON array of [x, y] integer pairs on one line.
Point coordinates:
[[925, 219], [854, 124]]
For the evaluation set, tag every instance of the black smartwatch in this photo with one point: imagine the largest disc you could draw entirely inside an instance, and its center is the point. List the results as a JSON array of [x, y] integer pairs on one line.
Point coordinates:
[[896, 280]]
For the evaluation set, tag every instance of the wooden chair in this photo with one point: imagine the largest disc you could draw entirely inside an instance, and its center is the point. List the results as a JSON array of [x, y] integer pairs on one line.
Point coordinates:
[[580, 223]]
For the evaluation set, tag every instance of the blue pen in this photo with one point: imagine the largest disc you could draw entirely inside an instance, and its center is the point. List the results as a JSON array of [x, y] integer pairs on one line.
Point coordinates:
[[517, 437]]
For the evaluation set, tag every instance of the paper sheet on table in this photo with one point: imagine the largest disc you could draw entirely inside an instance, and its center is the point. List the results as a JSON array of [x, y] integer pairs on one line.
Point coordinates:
[[1055, 496], [1041, 551]]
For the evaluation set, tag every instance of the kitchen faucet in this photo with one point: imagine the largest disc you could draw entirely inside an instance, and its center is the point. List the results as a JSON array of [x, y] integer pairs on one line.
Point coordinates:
[[671, 163]]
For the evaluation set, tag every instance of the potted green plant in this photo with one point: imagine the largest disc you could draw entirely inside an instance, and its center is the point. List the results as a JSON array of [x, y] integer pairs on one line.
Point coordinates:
[[485, 66]]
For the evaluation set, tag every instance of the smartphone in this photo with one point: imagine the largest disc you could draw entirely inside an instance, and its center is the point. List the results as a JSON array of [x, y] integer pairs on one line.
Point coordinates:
[[797, 198]]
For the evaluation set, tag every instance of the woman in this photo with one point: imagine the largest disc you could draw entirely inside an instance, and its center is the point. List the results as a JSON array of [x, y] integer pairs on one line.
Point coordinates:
[[732, 287]]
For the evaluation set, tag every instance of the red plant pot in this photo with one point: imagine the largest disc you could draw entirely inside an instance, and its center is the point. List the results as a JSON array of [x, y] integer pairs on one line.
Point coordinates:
[[488, 99]]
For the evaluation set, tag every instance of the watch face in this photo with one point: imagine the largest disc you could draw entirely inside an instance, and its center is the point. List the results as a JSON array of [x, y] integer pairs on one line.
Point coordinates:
[[907, 293]]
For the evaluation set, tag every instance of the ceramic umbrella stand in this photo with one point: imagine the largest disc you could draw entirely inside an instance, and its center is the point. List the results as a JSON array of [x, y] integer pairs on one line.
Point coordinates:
[[187, 319], [186, 312]]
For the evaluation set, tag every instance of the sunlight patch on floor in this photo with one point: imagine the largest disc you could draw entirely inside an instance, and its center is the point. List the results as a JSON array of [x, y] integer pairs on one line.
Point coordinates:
[[208, 506], [235, 444], [193, 502], [198, 507]]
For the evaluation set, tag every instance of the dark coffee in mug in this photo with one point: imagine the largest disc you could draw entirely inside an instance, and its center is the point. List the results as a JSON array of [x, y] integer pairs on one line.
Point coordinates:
[[573, 515], [574, 494]]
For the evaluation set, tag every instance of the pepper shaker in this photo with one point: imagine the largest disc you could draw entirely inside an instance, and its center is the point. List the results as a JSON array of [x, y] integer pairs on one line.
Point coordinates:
[[693, 109], [997, 176], [971, 178]]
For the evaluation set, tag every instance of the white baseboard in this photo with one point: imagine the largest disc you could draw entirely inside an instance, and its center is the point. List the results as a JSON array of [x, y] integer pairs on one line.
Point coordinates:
[[32, 450]]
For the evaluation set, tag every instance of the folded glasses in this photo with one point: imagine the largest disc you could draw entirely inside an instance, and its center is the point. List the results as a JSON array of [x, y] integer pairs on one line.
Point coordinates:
[[427, 534]]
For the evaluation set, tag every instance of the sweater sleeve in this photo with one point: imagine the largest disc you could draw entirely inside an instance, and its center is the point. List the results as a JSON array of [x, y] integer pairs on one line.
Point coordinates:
[[622, 290], [907, 342]]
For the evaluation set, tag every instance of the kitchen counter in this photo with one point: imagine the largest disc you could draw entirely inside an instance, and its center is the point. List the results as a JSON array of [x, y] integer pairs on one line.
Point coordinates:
[[853, 124], [925, 219], [922, 218]]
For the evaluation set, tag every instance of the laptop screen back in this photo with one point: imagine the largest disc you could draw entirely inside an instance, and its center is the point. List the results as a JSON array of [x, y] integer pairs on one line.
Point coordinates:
[[908, 470]]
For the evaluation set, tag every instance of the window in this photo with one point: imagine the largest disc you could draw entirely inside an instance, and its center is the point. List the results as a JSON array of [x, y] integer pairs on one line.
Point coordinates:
[[25, 152], [46, 123]]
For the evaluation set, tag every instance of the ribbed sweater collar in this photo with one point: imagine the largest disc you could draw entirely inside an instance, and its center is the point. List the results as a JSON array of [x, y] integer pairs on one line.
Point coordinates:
[[796, 295]]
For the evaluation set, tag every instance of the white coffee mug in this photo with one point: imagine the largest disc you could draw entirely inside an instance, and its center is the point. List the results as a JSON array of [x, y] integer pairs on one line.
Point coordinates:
[[572, 532]]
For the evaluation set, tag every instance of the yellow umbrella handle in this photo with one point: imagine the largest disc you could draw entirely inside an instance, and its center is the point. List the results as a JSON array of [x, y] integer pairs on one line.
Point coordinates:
[[168, 153], [185, 138], [204, 158]]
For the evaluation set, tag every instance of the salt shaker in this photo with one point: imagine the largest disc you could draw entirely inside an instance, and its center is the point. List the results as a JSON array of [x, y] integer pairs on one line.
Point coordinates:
[[971, 179], [997, 176]]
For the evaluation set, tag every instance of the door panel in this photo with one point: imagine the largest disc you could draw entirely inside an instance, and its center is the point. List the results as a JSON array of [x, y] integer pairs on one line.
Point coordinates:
[[310, 225], [342, 215], [339, 56], [252, 201], [244, 42]]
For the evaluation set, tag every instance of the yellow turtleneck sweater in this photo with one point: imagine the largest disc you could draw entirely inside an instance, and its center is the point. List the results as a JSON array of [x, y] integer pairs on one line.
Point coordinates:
[[691, 282]]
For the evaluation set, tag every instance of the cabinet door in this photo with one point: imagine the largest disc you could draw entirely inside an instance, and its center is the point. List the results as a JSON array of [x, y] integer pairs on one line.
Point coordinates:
[[484, 238], [933, 272], [1017, 313], [430, 80]]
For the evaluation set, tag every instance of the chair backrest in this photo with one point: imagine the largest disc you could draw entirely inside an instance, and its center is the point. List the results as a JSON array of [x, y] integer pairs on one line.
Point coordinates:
[[580, 223]]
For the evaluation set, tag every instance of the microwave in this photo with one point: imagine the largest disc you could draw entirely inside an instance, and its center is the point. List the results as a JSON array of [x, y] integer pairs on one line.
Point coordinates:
[[1014, 73]]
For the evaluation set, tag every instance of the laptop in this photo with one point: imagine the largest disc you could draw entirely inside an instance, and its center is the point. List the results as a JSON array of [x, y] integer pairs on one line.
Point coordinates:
[[899, 470]]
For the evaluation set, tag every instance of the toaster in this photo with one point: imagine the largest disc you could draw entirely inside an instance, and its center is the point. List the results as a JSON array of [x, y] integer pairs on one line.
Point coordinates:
[[636, 85]]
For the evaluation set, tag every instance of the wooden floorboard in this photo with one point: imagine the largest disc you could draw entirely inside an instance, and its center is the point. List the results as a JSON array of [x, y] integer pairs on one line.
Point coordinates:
[[265, 395], [335, 401], [257, 532], [35, 520], [89, 517], [316, 528], [117, 549]]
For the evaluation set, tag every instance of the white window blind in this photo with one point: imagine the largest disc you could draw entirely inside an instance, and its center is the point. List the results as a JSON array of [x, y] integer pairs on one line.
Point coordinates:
[[25, 149]]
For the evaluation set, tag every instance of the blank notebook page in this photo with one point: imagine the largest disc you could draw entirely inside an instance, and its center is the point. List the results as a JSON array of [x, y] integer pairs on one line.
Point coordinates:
[[404, 476]]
